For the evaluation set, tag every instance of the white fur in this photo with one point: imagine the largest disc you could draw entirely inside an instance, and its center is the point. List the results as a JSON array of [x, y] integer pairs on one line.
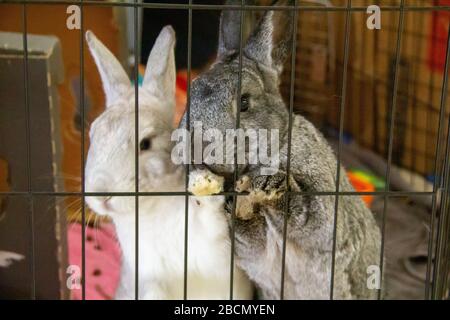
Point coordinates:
[[110, 168], [161, 252], [7, 258]]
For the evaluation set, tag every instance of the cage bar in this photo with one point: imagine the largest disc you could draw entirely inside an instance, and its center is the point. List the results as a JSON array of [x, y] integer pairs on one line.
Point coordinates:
[[188, 124], [348, 20], [288, 160], [391, 137], [28, 152], [224, 193], [437, 168], [237, 126], [83, 156], [440, 270], [136, 148], [226, 7]]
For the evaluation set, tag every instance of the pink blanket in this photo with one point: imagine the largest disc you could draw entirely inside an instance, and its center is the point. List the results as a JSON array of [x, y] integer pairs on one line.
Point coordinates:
[[102, 260]]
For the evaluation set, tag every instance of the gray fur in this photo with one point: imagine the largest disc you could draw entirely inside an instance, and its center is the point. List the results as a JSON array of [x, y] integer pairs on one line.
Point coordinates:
[[313, 168]]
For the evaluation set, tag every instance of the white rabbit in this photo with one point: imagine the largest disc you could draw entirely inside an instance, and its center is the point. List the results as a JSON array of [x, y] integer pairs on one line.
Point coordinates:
[[110, 168]]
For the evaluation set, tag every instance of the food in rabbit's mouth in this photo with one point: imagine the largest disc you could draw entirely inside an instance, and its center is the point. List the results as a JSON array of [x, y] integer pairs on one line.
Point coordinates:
[[204, 183]]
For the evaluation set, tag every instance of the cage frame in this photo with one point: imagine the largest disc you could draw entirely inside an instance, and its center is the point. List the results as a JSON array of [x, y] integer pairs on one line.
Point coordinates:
[[437, 273]]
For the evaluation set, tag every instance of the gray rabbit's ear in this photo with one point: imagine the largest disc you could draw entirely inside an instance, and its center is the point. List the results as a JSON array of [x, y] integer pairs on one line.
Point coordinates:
[[160, 73], [114, 78], [271, 41], [229, 29]]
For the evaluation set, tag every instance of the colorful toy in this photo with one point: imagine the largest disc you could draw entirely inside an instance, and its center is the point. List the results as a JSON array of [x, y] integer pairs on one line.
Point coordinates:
[[364, 181]]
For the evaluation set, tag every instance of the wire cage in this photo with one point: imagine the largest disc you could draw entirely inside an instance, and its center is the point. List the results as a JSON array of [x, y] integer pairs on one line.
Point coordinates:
[[378, 95]]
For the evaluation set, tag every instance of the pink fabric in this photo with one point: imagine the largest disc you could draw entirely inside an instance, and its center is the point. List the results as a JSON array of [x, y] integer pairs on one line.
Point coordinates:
[[102, 260]]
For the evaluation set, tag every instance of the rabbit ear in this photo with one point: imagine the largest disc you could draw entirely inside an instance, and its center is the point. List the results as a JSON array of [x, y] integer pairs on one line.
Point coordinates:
[[115, 79], [160, 73], [229, 34], [229, 29], [270, 43]]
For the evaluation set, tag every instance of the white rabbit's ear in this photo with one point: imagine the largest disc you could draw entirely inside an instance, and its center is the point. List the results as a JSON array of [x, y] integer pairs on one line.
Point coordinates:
[[159, 78], [115, 79]]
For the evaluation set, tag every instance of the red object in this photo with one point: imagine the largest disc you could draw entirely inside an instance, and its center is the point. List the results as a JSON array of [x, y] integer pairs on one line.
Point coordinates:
[[180, 96], [438, 38], [362, 186], [182, 81]]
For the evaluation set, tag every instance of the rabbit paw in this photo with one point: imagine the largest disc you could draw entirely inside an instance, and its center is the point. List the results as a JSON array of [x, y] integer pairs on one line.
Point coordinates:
[[204, 183], [249, 205], [243, 184], [264, 192], [276, 182]]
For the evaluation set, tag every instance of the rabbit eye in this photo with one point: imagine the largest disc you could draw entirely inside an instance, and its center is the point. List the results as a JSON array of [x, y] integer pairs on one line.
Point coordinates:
[[245, 102], [145, 144]]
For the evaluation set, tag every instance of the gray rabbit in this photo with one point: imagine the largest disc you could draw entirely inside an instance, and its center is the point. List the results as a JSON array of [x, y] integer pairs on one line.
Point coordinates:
[[260, 214]]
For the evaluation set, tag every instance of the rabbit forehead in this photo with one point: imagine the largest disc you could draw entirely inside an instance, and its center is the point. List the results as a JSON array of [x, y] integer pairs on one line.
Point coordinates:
[[223, 79], [118, 123]]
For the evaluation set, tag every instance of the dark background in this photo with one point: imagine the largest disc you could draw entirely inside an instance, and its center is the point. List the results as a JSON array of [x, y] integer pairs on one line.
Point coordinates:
[[205, 28]]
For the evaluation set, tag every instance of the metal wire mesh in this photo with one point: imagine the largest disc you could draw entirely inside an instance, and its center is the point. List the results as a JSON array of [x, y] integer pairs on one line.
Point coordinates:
[[437, 275]]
